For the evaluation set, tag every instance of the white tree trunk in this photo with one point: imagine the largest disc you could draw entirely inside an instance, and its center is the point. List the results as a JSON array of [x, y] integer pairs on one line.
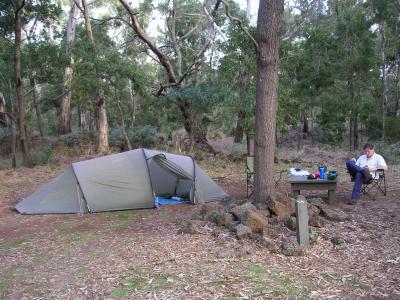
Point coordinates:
[[65, 108]]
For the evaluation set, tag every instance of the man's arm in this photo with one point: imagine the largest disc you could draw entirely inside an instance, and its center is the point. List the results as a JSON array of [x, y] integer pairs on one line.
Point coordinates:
[[380, 164]]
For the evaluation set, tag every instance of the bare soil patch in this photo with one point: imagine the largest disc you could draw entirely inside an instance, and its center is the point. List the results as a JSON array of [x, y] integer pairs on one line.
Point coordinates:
[[140, 255]]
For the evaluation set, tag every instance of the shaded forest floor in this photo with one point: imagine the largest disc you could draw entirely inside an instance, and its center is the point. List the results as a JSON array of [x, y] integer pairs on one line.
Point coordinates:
[[140, 255]]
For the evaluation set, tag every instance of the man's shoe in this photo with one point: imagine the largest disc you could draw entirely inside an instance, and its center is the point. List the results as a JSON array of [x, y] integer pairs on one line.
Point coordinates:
[[352, 202]]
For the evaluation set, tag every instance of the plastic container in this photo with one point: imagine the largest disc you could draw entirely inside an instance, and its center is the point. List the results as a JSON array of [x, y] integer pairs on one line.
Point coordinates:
[[321, 172]]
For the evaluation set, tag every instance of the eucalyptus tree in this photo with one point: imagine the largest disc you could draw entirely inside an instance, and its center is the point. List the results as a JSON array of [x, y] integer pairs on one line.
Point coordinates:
[[18, 7], [64, 125], [268, 39], [386, 16], [23, 12], [190, 32]]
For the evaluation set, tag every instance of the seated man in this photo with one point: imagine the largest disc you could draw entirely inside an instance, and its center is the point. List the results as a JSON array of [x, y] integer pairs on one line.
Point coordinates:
[[363, 170]]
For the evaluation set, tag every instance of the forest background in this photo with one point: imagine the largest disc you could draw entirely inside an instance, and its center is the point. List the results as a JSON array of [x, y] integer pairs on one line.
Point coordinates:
[[74, 71]]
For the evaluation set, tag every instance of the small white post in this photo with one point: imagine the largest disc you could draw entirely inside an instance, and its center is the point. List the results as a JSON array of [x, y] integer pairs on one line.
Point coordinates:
[[302, 223]]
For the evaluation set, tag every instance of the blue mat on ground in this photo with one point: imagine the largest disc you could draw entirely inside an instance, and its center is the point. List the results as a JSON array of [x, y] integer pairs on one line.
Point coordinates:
[[170, 201]]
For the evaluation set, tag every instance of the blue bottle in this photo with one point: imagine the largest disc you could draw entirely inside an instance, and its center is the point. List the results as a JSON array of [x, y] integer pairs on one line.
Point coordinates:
[[321, 172]]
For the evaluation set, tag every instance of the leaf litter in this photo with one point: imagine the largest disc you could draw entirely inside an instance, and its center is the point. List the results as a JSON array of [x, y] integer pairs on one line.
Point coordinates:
[[140, 255]]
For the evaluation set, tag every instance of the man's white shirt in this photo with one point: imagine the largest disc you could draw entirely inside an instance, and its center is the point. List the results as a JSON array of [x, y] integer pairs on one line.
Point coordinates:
[[375, 160]]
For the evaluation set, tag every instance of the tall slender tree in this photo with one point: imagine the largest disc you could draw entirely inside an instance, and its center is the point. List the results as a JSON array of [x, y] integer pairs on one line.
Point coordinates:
[[268, 37], [64, 125], [26, 154], [102, 123]]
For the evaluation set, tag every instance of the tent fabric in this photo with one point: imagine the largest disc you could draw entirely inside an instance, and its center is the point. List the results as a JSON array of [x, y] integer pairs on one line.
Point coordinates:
[[61, 195], [168, 165], [128, 180], [110, 182]]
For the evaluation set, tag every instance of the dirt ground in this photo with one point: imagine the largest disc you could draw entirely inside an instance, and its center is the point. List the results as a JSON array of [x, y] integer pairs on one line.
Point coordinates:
[[140, 255]]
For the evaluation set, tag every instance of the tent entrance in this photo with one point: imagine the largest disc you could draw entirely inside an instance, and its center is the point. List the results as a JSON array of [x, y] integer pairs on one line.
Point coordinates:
[[171, 183], [175, 200]]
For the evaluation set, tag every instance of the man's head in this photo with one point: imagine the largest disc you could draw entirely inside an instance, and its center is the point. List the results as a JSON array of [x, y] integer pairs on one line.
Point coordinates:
[[369, 150]]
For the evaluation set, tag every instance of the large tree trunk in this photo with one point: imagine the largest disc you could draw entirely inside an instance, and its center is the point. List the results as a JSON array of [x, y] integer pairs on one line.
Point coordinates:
[[64, 125], [268, 37], [102, 145], [26, 154]]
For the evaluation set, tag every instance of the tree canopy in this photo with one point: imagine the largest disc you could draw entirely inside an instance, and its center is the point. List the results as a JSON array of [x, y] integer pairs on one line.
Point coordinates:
[[191, 65]]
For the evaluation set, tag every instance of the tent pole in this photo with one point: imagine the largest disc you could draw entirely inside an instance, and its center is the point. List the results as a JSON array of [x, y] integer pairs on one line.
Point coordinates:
[[151, 183], [194, 181]]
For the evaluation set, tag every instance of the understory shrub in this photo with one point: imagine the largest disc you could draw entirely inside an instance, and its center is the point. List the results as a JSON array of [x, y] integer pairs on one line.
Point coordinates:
[[139, 136], [78, 138], [143, 136], [391, 153], [41, 156]]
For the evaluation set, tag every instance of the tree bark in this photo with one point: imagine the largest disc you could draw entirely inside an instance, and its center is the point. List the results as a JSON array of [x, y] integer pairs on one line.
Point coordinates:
[[196, 127], [398, 86], [300, 131], [243, 80], [239, 131], [382, 49], [3, 116], [83, 125], [102, 146], [64, 125], [124, 133], [353, 124], [26, 154], [134, 103], [37, 106], [268, 37]]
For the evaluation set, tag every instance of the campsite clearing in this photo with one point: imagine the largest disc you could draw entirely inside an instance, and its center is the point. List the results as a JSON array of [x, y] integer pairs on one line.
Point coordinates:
[[138, 254]]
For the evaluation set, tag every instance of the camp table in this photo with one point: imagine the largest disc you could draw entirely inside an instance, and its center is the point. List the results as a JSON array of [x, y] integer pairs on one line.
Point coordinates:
[[299, 183]]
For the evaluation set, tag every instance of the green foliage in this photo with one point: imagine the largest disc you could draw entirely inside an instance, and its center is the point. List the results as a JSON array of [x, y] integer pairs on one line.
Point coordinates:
[[41, 156], [237, 151], [391, 153], [139, 136], [145, 136], [77, 138], [330, 69], [236, 77]]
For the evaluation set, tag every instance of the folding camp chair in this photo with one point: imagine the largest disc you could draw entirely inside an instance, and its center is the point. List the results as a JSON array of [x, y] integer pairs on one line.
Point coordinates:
[[249, 175], [378, 183]]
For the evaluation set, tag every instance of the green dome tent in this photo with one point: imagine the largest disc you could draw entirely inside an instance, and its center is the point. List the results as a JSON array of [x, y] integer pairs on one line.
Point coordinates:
[[128, 180]]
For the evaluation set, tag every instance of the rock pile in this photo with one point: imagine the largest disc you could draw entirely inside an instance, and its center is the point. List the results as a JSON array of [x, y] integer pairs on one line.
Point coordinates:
[[272, 224]]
